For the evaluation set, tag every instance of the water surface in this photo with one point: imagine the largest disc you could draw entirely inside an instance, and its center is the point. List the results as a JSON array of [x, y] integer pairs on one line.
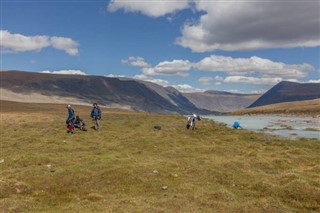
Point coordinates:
[[288, 126]]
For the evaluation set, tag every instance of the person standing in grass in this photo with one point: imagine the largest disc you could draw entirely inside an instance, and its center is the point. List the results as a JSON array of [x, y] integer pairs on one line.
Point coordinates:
[[70, 119], [96, 115]]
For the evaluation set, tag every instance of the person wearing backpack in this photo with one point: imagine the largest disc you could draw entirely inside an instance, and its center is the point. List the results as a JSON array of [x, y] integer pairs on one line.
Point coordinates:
[[80, 123], [96, 115], [70, 119], [192, 121]]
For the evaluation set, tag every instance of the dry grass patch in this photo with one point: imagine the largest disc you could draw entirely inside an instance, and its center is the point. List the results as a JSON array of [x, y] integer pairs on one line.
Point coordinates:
[[125, 166]]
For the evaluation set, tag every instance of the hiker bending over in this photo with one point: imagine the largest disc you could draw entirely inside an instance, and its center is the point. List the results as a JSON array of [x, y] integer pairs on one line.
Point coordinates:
[[79, 123], [192, 121], [236, 125], [96, 115], [70, 119]]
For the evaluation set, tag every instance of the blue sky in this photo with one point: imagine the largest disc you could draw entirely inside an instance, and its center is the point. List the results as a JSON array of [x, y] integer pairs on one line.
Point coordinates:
[[240, 46]]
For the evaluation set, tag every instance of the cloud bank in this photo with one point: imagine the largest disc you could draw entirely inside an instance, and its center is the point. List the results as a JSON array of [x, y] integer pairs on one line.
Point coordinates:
[[175, 67], [20, 43], [254, 65], [186, 88], [251, 80], [150, 79], [241, 66], [250, 25], [236, 24], [135, 62]]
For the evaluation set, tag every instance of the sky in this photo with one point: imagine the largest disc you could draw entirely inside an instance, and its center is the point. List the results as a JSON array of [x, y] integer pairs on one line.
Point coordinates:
[[242, 46]]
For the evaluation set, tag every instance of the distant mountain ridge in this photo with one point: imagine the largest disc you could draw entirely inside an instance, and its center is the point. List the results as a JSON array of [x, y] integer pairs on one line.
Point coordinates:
[[106, 91], [225, 93], [221, 101], [288, 92], [125, 93], [308, 107]]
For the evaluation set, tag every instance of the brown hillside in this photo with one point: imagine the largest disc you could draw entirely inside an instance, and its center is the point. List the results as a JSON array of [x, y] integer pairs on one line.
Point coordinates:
[[310, 107]]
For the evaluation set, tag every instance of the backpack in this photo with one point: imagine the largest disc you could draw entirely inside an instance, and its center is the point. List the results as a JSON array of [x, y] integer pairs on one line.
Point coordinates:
[[236, 125], [99, 113]]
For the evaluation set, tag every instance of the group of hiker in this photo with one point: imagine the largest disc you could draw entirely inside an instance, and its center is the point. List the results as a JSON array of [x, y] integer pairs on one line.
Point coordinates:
[[78, 122]]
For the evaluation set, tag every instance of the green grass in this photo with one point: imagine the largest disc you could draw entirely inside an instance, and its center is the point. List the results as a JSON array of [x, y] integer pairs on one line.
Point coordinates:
[[210, 169]]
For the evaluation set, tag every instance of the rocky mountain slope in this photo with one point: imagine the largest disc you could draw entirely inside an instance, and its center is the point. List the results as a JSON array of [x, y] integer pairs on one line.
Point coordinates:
[[106, 91], [288, 92], [221, 101]]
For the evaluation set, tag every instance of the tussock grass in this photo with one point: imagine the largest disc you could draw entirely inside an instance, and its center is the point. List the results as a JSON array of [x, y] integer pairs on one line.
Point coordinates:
[[123, 167]]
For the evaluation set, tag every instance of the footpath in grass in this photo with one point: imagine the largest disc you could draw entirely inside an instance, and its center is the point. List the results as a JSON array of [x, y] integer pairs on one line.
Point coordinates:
[[128, 166]]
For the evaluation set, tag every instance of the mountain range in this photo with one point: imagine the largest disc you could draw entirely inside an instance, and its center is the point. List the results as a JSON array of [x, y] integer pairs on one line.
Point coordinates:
[[221, 101], [139, 95], [112, 92]]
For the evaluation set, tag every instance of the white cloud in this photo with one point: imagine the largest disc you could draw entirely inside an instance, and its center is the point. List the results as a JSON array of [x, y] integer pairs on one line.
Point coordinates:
[[165, 83], [65, 44], [21, 43], [241, 66], [136, 62], [253, 70], [153, 80], [259, 91], [233, 91], [251, 80], [142, 78], [248, 25], [65, 72], [218, 78], [237, 25], [205, 80], [314, 81], [186, 88], [115, 76], [175, 67], [291, 80], [152, 8]]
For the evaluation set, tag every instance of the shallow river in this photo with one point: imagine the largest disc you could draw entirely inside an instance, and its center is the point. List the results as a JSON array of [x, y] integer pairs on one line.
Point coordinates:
[[288, 126]]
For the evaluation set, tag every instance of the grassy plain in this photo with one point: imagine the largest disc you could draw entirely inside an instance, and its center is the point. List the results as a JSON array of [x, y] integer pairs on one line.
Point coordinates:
[[125, 166]]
